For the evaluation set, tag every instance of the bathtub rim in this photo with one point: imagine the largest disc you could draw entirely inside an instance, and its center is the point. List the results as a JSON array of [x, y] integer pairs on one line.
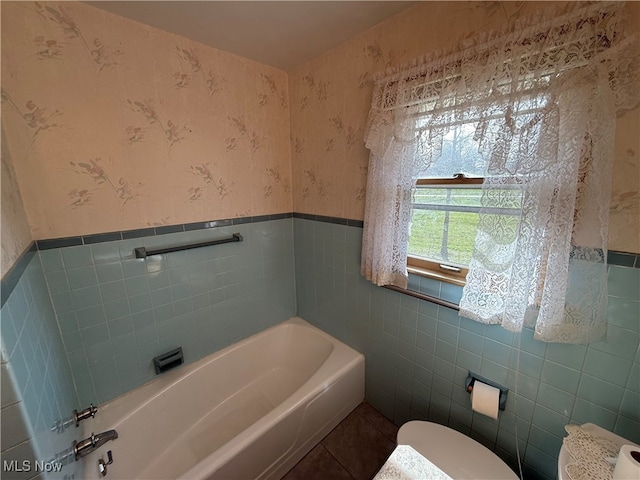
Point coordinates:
[[307, 392], [341, 359], [149, 391]]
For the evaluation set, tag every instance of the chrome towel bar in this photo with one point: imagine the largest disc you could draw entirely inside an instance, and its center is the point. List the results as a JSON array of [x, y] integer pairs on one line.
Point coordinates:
[[142, 252], [423, 296]]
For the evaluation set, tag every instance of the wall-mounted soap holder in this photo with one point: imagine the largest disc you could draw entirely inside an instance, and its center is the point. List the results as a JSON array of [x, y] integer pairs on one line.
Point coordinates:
[[168, 360], [471, 379]]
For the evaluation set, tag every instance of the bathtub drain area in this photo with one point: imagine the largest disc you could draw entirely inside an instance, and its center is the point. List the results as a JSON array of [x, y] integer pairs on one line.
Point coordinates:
[[246, 413]]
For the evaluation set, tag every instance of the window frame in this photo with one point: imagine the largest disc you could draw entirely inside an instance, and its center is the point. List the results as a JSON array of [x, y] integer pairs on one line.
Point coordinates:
[[442, 271]]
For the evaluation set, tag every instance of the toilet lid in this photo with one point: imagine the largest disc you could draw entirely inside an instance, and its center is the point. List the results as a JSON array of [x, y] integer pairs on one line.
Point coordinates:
[[457, 455]]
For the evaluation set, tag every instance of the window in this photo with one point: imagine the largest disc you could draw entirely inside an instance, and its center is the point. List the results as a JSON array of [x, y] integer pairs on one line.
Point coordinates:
[[444, 221], [538, 101], [445, 212]]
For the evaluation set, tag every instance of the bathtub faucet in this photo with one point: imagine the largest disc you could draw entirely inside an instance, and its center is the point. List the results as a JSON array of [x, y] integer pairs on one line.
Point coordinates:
[[89, 444]]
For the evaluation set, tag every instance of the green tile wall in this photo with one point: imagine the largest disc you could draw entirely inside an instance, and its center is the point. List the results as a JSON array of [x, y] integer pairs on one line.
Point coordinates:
[[36, 372], [109, 314], [117, 312], [418, 354]]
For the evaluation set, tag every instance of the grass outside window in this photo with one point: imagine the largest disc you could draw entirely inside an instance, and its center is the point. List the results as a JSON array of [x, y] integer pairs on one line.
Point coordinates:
[[444, 224]]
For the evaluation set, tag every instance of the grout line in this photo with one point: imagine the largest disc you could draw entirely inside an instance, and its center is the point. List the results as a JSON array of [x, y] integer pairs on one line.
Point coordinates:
[[394, 440], [334, 458], [344, 467]]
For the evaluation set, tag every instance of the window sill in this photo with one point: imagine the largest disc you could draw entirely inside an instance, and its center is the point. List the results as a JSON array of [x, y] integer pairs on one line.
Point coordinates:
[[440, 276]]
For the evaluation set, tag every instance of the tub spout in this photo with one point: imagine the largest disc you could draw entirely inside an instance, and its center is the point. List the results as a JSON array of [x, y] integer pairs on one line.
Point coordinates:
[[89, 444], [104, 437]]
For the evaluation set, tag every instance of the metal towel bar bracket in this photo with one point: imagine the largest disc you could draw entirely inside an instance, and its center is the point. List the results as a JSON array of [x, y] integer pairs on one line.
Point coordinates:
[[142, 252]]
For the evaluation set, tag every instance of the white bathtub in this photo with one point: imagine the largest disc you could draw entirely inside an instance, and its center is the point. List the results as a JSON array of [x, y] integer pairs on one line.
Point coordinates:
[[251, 410]]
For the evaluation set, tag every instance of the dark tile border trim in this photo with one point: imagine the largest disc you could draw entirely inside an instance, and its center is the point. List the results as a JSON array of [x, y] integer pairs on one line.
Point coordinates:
[[335, 220], [58, 243], [152, 231], [185, 227], [138, 233], [102, 237], [622, 259], [11, 279]]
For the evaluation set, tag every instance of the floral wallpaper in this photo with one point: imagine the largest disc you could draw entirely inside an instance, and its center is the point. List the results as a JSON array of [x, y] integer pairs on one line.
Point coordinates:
[[330, 98], [624, 215], [113, 125]]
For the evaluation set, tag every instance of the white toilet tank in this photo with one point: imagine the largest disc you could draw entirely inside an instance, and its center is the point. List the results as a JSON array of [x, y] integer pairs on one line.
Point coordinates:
[[457, 455], [565, 459]]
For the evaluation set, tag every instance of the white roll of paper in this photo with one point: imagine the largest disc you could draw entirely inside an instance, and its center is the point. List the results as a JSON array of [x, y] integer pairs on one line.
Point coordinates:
[[485, 399], [628, 464]]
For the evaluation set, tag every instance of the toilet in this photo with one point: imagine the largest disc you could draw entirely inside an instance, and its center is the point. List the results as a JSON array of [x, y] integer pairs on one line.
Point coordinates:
[[565, 459], [457, 455]]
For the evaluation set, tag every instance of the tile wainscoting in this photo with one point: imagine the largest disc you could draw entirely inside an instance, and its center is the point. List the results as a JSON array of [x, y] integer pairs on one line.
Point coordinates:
[[418, 354], [81, 323], [116, 312], [82, 320], [37, 385]]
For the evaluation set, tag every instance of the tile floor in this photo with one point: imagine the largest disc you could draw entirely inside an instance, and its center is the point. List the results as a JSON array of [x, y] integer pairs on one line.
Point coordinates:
[[354, 450]]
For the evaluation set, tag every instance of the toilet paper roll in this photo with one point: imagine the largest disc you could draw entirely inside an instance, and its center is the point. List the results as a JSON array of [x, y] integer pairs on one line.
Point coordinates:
[[628, 464], [485, 399]]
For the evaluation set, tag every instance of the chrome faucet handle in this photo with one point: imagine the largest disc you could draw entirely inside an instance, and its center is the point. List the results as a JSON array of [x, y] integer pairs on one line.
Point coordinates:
[[102, 465], [90, 411]]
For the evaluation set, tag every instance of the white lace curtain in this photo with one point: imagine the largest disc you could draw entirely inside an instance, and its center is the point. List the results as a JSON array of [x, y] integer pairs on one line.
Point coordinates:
[[543, 96]]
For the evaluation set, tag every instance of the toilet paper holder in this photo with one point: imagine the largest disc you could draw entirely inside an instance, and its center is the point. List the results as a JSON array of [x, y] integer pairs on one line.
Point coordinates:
[[471, 379]]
